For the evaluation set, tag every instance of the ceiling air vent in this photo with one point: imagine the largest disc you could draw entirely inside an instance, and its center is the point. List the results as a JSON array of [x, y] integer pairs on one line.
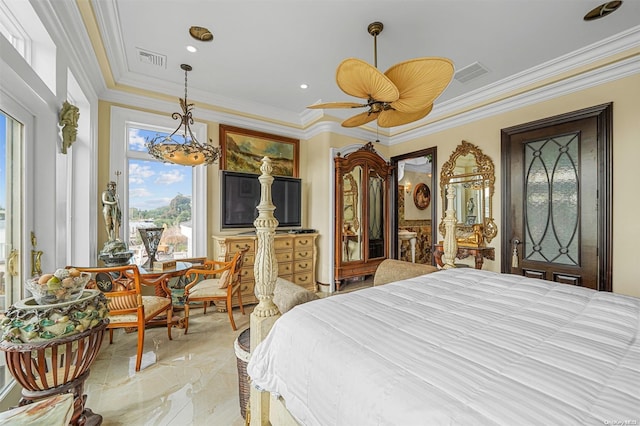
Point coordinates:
[[470, 72], [152, 58]]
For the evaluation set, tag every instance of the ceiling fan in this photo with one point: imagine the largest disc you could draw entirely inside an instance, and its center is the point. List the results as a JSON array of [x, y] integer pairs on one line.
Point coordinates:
[[403, 94]]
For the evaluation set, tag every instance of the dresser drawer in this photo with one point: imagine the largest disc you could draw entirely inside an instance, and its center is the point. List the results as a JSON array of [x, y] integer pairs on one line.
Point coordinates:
[[247, 287], [306, 280], [237, 245], [284, 256], [304, 243], [247, 274], [283, 243], [249, 259], [285, 268], [303, 255], [302, 266]]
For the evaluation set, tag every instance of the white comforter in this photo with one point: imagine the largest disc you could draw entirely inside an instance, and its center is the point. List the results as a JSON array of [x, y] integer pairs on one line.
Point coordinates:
[[456, 347]]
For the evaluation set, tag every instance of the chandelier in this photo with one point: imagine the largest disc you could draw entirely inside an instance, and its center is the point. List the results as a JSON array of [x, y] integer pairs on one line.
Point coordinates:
[[189, 152]]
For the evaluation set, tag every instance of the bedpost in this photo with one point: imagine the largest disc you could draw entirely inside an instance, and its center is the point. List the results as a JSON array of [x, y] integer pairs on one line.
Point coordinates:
[[266, 274], [450, 245]]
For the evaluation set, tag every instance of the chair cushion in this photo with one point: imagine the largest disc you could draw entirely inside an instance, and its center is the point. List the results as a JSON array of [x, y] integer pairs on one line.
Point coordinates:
[[153, 305], [207, 288], [224, 279]]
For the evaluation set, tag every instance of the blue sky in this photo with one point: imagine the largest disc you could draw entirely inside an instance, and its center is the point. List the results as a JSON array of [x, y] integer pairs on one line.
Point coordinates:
[[3, 160], [154, 184]]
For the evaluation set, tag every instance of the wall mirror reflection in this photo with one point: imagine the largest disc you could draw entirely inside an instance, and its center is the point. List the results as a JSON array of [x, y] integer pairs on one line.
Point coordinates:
[[351, 215], [472, 175]]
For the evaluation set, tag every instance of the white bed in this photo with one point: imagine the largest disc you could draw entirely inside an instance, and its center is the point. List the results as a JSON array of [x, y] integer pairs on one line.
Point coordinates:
[[458, 346]]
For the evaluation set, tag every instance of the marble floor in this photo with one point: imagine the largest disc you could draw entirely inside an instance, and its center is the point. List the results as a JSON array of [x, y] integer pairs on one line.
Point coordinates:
[[190, 380]]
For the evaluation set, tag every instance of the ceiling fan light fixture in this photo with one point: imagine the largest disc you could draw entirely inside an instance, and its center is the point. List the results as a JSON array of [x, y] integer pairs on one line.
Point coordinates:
[[404, 93], [189, 152]]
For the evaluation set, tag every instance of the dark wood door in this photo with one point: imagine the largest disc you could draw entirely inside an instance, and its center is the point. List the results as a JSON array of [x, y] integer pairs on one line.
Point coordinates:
[[555, 190]]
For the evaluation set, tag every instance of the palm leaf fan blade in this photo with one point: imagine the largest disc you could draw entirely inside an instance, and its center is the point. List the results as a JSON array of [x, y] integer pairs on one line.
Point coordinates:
[[337, 105], [357, 78], [359, 119], [420, 81], [391, 118]]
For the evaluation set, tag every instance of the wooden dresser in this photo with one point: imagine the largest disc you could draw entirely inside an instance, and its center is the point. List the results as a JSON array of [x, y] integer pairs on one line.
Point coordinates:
[[296, 255]]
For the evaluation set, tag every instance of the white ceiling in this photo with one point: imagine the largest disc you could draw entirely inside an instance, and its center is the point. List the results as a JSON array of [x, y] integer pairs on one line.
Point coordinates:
[[263, 50]]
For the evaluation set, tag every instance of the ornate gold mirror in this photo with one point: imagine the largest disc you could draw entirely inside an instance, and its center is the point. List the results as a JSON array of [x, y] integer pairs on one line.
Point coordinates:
[[472, 175]]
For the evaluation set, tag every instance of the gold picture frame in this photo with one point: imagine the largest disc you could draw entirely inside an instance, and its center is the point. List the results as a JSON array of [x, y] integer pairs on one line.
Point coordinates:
[[243, 150]]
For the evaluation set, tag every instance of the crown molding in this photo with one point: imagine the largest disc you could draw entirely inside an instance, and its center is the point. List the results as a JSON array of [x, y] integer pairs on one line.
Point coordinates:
[[106, 13], [309, 123], [577, 83], [583, 81]]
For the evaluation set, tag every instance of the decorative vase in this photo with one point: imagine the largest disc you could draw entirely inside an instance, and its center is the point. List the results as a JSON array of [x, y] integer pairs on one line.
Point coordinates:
[[151, 240]]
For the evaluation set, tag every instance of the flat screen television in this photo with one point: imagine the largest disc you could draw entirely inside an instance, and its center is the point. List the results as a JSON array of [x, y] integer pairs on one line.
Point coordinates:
[[241, 195]]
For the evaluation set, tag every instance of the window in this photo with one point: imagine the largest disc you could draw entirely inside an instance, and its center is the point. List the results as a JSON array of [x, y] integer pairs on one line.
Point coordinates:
[[157, 194], [21, 25], [160, 195], [11, 229]]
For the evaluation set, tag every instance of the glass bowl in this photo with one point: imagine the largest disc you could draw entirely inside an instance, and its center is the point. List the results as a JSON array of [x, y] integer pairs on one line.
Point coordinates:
[[56, 290]]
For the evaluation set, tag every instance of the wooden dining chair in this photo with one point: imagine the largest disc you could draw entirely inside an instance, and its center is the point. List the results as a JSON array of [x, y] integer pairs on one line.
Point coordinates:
[[215, 281], [128, 308]]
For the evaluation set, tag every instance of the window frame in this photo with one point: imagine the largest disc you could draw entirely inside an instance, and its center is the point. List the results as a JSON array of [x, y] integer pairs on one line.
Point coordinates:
[[122, 120]]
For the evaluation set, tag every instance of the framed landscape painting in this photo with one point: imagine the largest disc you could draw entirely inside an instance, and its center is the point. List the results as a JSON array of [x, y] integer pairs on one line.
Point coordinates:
[[243, 150]]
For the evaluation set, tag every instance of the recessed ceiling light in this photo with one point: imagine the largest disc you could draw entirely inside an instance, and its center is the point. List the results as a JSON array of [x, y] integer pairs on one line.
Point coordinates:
[[603, 10], [192, 49], [304, 86]]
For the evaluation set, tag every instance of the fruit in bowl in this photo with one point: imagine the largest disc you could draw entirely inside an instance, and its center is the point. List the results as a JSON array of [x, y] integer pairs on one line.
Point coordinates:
[[63, 285]]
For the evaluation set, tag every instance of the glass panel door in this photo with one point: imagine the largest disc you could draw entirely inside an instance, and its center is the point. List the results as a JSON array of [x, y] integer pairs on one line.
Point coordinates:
[[11, 132]]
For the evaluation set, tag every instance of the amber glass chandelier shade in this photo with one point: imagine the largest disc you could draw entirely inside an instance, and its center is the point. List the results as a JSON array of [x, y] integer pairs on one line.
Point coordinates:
[[184, 154], [188, 152]]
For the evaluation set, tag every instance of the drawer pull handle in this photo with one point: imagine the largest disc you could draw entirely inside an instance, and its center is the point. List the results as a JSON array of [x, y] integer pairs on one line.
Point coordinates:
[[303, 279], [302, 266], [304, 242]]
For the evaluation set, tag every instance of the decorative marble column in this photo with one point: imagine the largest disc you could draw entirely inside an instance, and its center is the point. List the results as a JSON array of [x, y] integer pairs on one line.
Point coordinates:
[[450, 244], [266, 273]]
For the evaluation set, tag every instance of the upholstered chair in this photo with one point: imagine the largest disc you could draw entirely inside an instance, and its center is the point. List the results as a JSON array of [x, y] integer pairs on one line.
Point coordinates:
[[215, 281], [128, 308]]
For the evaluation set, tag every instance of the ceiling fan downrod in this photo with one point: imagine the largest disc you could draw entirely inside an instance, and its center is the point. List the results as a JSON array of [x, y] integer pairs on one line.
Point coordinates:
[[374, 29]]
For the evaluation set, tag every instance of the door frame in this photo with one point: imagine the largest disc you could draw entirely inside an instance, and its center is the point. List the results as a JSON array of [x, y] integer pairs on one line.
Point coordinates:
[[604, 116], [393, 252]]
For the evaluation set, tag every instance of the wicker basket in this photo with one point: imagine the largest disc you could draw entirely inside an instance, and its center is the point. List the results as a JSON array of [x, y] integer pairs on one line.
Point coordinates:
[[241, 346]]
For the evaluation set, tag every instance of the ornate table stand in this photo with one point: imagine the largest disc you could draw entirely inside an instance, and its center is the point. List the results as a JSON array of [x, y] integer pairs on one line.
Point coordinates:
[[46, 357]]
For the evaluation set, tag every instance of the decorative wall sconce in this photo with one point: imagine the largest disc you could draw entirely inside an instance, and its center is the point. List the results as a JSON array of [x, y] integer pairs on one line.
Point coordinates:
[[407, 187], [69, 115]]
